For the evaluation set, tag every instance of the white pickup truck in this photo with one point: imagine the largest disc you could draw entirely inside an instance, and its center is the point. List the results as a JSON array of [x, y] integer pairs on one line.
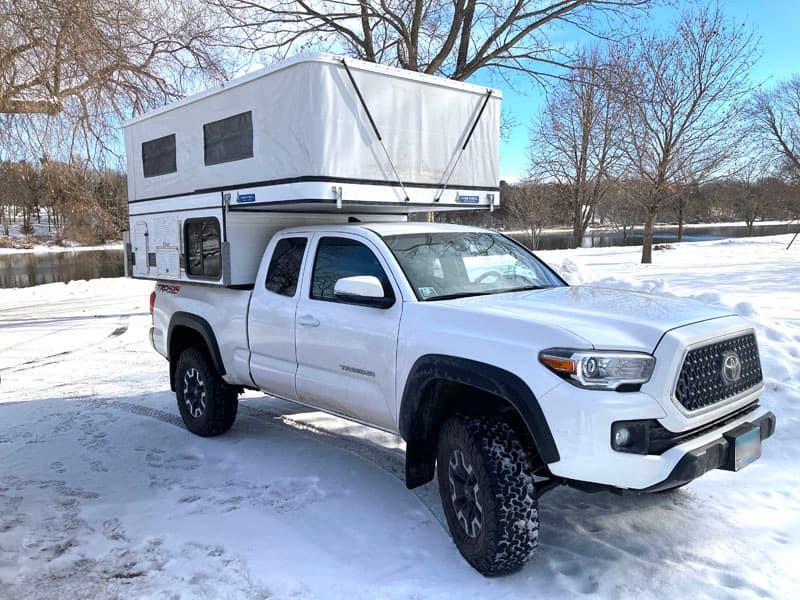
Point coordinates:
[[494, 371]]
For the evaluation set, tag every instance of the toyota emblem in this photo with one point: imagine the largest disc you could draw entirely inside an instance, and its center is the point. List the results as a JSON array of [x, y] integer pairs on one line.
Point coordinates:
[[731, 368]]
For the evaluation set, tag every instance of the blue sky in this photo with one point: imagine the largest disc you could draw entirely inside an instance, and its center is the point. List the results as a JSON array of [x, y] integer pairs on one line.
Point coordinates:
[[776, 22]]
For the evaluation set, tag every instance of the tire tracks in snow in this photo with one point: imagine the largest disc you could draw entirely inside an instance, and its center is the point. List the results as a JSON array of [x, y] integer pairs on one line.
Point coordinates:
[[391, 461], [121, 328]]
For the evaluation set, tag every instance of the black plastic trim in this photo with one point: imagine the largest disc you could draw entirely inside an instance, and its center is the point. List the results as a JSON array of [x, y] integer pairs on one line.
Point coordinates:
[[714, 455], [201, 326], [415, 428], [661, 439]]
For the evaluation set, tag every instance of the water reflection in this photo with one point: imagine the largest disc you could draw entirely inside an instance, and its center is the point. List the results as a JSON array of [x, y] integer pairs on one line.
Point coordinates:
[[25, 269]]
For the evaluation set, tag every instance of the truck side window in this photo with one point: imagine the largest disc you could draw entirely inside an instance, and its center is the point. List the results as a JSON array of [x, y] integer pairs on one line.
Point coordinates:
[[203, 246], [343, 257], [284, 267]]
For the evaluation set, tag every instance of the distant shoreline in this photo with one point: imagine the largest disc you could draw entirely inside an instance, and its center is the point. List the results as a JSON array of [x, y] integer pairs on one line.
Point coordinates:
[[45, 248], [657, 226]]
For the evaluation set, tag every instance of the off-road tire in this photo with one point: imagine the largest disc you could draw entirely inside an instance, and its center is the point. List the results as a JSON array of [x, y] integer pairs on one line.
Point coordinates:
[[221, 400], [509, 529]]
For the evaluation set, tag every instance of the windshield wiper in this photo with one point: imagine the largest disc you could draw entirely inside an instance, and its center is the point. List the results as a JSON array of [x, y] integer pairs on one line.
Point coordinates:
[[457, 295], [526, 288]]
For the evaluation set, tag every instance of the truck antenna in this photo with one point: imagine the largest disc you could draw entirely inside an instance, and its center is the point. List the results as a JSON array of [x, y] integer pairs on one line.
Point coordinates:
[[375, 129], [463, 147]]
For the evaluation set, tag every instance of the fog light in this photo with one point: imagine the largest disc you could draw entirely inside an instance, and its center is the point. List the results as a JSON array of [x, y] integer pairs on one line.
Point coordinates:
[[622, 436], [631, 436]]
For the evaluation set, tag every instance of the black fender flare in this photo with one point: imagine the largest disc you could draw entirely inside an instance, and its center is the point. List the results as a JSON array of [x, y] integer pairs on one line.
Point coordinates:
[[200, 326], [415, 419]]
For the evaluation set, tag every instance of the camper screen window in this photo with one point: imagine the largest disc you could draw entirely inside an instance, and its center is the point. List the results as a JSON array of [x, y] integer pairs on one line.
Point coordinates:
[[229, 139], [203, 257], [158, 156]]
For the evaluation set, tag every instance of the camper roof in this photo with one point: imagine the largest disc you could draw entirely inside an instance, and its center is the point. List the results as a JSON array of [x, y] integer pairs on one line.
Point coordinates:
[[323, 58]]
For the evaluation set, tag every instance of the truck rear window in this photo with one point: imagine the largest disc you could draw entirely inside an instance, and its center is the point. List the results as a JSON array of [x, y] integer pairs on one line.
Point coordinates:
[[284, 267]]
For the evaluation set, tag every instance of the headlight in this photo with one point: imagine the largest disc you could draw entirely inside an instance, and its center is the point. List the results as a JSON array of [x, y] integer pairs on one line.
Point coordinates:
[[599, 369]]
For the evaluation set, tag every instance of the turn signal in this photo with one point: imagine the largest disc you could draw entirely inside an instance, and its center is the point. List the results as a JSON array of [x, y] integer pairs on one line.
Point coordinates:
[[560, 364]]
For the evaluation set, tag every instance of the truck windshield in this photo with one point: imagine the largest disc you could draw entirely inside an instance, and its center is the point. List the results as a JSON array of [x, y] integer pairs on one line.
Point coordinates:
[[447, 265]]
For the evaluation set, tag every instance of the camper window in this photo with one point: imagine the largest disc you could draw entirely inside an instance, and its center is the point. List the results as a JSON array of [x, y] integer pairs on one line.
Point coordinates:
[[203, 257], [228, 139], [158, 156]]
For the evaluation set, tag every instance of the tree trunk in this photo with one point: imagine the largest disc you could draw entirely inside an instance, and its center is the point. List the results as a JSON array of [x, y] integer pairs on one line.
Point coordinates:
[[647, 242], [577, 220], [680, 219]]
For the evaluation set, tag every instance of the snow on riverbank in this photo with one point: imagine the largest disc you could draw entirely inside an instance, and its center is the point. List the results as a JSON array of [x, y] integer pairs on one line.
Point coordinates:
[[44, 248], [103, 494], [657, 227]]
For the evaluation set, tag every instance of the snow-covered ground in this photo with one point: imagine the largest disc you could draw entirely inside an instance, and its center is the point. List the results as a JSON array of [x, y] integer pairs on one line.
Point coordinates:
[[657, 226], [68, 247], [103, 493]]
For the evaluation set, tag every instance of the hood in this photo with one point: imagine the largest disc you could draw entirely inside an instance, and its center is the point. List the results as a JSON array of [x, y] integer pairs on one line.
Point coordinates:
[[607, 318]]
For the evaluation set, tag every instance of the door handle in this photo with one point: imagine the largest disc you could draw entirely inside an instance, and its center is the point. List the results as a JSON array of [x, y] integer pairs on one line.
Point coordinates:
[[308, 321]]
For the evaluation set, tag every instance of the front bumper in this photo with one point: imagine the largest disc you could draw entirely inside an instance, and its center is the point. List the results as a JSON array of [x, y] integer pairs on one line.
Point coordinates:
[[710, 456], [581, 422]]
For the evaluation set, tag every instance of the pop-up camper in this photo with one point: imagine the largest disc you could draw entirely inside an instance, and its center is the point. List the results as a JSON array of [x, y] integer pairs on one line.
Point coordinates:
[[310, 140]]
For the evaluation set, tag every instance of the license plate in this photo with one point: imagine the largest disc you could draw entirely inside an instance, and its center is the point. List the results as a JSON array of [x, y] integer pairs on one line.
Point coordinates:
[[746, 448]]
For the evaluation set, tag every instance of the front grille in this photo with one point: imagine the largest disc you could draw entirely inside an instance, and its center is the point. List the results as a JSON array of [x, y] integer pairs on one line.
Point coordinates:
[[702, 383]]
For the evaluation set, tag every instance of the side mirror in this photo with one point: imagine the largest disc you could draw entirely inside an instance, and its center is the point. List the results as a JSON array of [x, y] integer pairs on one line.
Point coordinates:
[[365, 290]]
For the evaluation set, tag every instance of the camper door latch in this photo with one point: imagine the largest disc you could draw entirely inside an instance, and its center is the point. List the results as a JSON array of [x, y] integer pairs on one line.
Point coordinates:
[[337, 193]]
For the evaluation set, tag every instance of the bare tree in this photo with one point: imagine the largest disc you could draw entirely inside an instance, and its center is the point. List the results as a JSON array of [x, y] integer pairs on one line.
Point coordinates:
[[621, 208], [533, 206], [775, 115], [452, 38], [19, 183], [682, 91], [754, 193], [576, 140], [91, 62], [682, 197]]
